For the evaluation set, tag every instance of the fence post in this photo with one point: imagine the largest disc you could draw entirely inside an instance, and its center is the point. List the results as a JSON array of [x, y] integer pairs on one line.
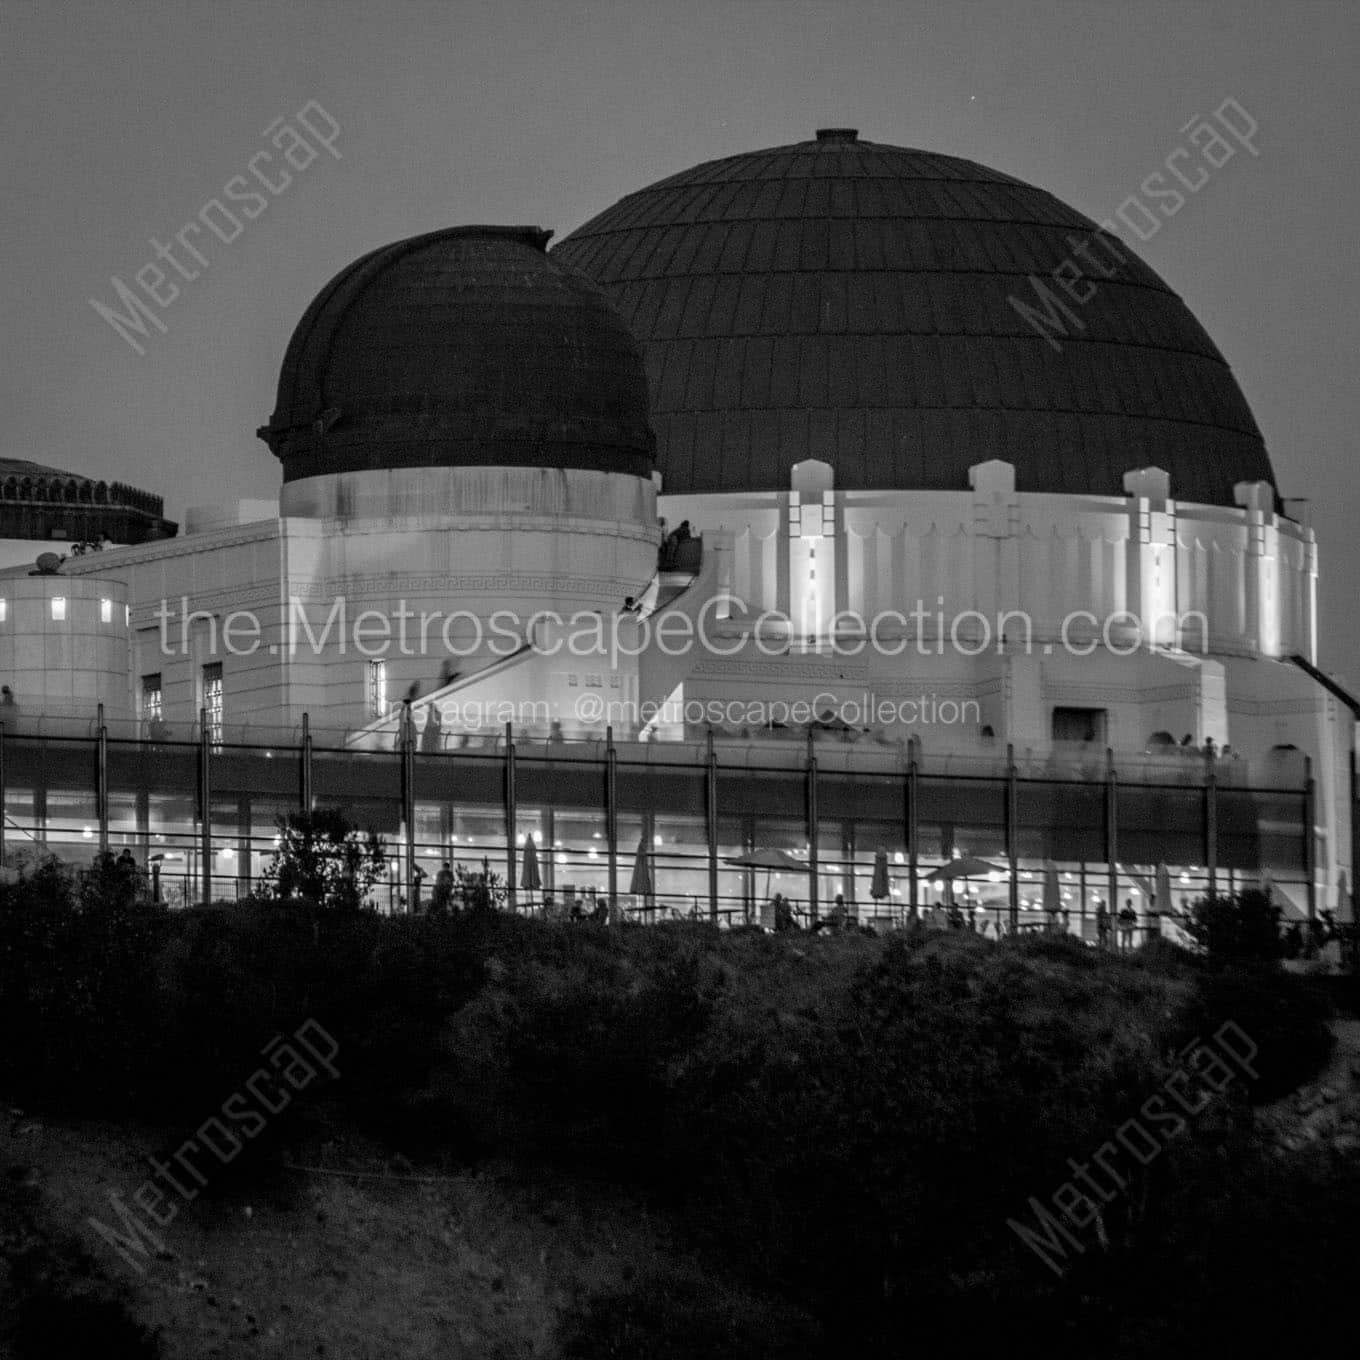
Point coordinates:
[[711, 808], [611, 818], [306, 771], [1210, 821], [408, 804], [101, 787], [813, 856], [204, 805], [913, 811], [1012, 858], [3, 814], [511, 815], [1112, 839], [1310, 841]]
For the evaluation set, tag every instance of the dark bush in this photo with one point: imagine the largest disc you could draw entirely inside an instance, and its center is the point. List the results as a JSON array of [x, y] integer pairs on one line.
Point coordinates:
[[685, 1316], [845, 1123], [1242, 926], [50, 1323], [1284, 1014]]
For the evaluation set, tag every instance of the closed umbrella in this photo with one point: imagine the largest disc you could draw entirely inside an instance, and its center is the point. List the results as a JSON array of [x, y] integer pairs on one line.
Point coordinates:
[[529, 878], [879, 888], [641, 883], [1052, 890], [1163, 901]]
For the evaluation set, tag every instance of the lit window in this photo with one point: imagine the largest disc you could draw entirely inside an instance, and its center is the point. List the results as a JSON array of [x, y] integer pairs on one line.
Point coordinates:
[[4, 610], [105, 611], [377, 688], [212, 699], [151, 697], [58, 607], [127, 616]]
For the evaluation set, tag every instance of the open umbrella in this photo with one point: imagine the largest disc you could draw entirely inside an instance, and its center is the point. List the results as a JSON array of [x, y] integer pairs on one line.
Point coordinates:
[[529, 878], [770, 860], [879, 888], [967, 866], [641, 883]]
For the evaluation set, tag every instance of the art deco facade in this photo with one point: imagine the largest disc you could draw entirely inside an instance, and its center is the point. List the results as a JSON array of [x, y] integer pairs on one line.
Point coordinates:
[[903, 495]]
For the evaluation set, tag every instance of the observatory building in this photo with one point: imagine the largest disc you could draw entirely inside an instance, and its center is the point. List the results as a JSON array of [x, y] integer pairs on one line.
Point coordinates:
[[776, 508]]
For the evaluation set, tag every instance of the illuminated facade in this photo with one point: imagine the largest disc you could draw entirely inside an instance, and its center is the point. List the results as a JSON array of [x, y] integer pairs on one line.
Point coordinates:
[[934, 548]]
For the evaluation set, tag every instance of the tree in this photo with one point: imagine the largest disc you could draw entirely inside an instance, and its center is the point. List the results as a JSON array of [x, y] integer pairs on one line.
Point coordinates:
[[1241, 925], [478, 891], [324, 858]]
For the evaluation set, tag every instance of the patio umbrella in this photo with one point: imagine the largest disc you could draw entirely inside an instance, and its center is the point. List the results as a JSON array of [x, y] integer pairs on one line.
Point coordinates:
[[770, 860], [1162, 898], [529, 878], [965, 867], [968, 866], [879, 888], [1052, 889], [641, 883]]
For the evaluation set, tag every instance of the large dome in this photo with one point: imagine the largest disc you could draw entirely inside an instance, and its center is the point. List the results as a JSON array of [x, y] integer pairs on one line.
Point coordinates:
[[467, 348], [847, 301]]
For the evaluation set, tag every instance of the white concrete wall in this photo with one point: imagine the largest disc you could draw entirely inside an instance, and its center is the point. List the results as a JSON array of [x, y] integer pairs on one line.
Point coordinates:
[[67, 666], [435, 542]]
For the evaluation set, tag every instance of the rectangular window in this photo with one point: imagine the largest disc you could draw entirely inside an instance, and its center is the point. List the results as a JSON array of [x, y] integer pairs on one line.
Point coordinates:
[[1080, 724], [4, 610], [212, 699], [58, 607], [377, 688], [151, 697], [105, 611]]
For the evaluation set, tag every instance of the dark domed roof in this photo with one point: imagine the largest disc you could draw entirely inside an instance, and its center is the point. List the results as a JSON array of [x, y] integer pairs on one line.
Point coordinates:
[[468, 348], [847, 301]]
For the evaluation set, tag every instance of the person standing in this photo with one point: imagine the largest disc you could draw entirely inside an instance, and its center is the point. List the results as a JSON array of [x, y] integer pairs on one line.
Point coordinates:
[[441, 896], [1102, 925], [1128, 924]]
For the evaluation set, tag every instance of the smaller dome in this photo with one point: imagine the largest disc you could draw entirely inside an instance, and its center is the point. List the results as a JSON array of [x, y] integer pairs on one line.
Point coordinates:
[[467, 347]]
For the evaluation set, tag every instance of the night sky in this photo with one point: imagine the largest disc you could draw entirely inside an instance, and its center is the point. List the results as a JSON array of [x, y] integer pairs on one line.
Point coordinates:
[[121, 120]]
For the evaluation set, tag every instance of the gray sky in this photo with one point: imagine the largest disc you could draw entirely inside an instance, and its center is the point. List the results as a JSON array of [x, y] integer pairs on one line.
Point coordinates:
[[119, 121]]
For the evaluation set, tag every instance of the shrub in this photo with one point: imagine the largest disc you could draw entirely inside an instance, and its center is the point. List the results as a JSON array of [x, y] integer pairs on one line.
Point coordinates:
[[1285, 1015], [685, 1316], [845, 1122], [323, 858], [1242, 925]]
